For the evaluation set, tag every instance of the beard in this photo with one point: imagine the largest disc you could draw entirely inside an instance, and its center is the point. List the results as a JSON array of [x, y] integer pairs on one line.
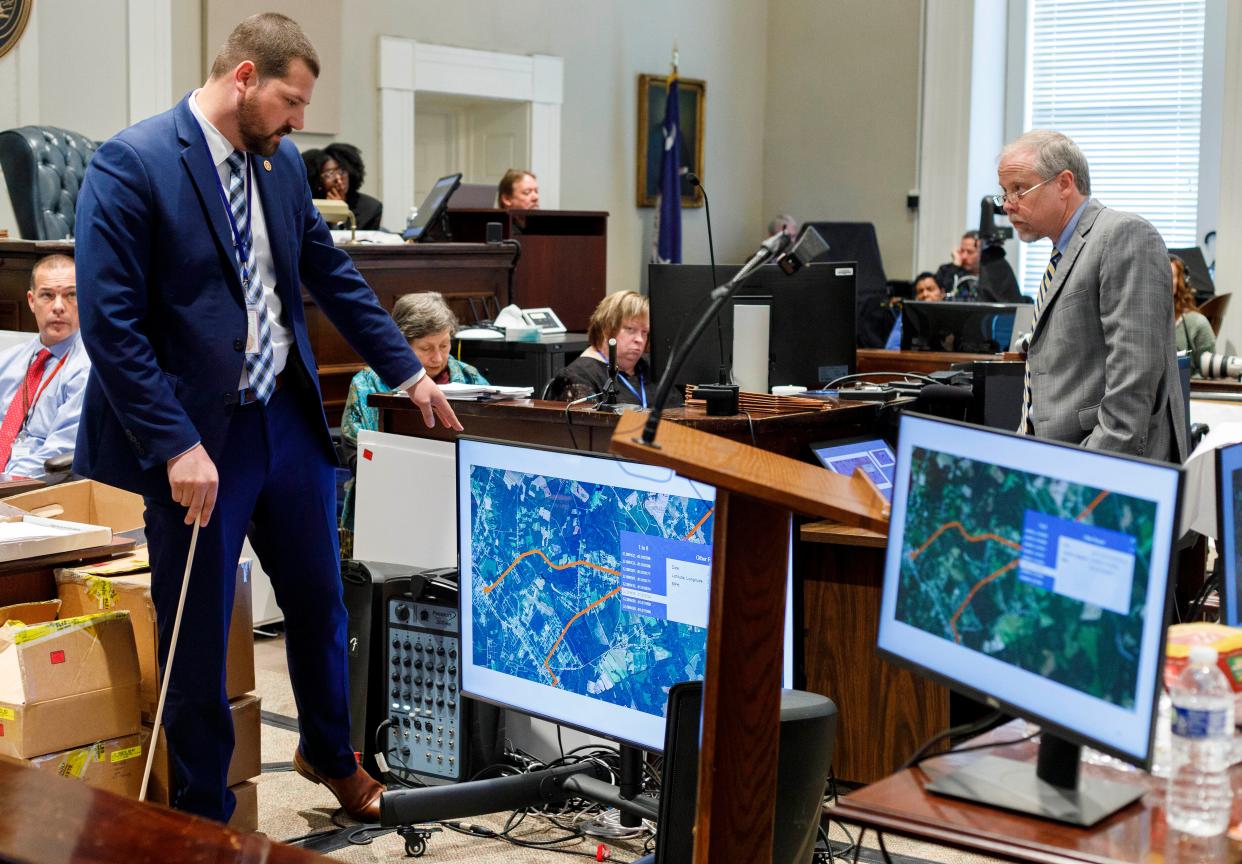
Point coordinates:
[[255, 138]]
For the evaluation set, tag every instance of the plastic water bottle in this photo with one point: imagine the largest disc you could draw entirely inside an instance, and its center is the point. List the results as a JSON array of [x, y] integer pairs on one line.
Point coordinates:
[[1199, 797]]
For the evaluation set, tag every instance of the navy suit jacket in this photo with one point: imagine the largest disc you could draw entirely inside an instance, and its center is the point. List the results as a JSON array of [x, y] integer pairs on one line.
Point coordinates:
[[161, 303]]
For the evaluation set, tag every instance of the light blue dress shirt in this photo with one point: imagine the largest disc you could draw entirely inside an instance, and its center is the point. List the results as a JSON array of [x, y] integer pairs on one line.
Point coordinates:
[[52, 423]]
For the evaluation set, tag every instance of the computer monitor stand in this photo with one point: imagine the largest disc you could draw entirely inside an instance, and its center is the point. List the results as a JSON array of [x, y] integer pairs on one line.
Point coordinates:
[[1054, 788]]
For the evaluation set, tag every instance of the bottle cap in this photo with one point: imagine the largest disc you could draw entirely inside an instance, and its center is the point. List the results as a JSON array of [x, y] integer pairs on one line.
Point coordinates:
[[1204, 655]]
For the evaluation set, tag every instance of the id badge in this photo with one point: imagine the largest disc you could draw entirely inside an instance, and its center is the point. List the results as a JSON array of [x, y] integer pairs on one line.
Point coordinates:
[[252, 330]]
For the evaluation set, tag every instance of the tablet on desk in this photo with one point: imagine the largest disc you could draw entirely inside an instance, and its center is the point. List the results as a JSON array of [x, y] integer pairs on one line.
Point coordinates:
[[543, 318], [873, 455]]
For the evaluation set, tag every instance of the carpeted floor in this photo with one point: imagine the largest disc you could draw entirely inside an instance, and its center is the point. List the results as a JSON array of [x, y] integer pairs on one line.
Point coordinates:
[[291, 807]]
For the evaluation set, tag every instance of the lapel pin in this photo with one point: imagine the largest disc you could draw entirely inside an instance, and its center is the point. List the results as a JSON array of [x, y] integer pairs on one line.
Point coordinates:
[[267, 166]]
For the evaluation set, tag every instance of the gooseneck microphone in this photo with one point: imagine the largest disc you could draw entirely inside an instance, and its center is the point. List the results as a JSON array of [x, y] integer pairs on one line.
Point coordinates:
[[722, 375], [609, 396]]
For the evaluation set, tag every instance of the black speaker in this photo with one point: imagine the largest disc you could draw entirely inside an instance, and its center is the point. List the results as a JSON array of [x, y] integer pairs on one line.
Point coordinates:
[[808, 734], [367, 586]]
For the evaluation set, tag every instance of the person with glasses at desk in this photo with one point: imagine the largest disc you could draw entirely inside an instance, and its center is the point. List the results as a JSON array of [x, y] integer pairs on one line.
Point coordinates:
[[337, 172], [42, 380], [1101, 370]]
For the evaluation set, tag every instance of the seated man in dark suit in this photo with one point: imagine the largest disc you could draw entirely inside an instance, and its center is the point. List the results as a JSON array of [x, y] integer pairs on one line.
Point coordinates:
[[337, 172], [42, 380]]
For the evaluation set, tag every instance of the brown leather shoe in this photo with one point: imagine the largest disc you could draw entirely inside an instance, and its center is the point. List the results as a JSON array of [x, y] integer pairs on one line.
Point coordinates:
[[358, 793]]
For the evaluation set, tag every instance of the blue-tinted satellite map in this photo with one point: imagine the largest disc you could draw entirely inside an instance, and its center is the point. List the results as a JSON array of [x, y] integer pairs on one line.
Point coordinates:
[[594, 589]]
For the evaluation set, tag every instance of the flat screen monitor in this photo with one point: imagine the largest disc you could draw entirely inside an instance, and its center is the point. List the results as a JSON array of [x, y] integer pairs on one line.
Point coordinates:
[[432, 208], [1034, 576], [1229, 529], [974, 328], [584, 586], [1197, 272], [872, 455], [811, 320]]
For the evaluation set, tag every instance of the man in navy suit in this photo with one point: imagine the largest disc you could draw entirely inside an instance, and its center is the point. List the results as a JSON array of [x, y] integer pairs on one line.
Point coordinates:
[[195, 231]]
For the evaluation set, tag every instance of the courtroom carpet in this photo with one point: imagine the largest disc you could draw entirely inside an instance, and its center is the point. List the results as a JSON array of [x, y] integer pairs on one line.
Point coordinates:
[[291, 807]]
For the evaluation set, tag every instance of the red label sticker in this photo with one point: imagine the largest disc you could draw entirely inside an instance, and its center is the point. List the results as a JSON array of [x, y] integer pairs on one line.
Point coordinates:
[[1, 730], [57, 657], [367, 454]]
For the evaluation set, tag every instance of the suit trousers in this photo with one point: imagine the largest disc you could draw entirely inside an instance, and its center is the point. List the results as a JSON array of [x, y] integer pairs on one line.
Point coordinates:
[[277, 485]]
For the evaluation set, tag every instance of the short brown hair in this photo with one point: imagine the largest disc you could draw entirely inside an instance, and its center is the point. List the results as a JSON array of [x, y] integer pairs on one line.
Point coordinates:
[[423, 314], [270, 41], [511, 178], [49, 262], [612, 312]]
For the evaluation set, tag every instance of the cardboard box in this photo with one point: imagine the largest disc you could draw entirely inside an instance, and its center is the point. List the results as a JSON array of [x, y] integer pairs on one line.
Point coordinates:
[[115, 765], [246, 816], [67, 683], [85, 501], [245, 764], [25, 536], [89, 589]]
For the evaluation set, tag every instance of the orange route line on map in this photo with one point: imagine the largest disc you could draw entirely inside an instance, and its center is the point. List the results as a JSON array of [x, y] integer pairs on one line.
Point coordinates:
[[970, 538], [524, 555], [565, 629], [699, 524], [997, 573]]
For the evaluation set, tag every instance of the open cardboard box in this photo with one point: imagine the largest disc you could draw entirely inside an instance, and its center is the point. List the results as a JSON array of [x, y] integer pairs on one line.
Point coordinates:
[[65, 683], [85, 501], [23, 535], [93, 588]]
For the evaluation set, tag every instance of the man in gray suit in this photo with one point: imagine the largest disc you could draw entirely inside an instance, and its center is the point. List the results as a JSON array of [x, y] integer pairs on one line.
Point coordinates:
[[1101, 368]]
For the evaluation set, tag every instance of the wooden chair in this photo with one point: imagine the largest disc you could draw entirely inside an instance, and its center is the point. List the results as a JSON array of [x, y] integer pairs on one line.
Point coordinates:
[[1214, 311]]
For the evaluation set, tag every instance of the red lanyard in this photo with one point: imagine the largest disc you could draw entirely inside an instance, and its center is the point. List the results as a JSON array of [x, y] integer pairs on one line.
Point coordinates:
[[26, 394]]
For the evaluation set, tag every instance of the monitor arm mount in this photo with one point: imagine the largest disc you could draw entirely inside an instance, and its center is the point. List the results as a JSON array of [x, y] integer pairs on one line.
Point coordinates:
[[476, 797], [809, 246]]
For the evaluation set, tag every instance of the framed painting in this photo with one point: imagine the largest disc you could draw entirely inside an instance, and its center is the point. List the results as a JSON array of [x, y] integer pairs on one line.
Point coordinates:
[[691, 104]]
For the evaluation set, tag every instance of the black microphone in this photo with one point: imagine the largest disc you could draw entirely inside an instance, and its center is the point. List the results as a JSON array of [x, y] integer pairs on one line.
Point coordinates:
[[609, 396], [722, 374]]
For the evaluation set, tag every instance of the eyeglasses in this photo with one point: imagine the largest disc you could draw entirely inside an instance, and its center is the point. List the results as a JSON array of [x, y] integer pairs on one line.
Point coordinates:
[[333, 172], [1014, 197]]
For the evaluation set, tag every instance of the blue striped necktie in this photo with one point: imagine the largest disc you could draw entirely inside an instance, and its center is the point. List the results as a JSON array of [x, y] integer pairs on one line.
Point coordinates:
[[261, 365], [1027, 426]]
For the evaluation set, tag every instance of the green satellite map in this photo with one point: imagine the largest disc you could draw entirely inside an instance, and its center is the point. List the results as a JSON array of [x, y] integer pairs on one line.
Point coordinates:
[[1047, 575]]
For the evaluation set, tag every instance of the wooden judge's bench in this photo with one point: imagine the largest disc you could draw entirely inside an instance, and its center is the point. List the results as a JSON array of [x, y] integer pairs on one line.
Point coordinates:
[[558, 260]]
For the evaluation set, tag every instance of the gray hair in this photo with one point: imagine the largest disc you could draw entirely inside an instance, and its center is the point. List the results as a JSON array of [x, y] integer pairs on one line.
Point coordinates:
[[422, 314], [1054, 153]]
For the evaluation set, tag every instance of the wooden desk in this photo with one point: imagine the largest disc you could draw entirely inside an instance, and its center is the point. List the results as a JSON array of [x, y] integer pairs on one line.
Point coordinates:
[[532, 421], [564, 261], [1136, 833], [923, 362], [30, 579], [460, 271], [48, 818], [885, 712]]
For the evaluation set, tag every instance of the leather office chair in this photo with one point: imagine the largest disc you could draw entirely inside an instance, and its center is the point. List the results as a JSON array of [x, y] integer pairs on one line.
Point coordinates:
[[856, 241], [1214, 311], [43, 167]]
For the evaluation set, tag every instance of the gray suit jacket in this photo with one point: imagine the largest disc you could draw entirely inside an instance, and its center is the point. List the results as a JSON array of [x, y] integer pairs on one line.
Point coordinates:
[[1102, 360]]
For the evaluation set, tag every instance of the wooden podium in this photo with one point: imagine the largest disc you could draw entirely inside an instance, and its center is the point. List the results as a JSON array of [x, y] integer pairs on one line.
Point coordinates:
[[756, 494]]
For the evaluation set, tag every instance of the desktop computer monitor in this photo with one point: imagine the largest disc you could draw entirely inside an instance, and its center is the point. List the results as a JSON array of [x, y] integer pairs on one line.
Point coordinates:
[[811, 320], [1229, 521], [432, 208], [975, 328], [872, 455], [584, 586], [1034, 576]]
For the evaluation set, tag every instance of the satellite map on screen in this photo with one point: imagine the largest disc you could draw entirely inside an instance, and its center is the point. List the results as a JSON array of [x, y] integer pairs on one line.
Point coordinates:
[[595, 589], [1047, 575]]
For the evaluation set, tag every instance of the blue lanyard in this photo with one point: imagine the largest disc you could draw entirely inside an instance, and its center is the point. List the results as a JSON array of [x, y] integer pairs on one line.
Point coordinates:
[[641, 396], [242, 243]]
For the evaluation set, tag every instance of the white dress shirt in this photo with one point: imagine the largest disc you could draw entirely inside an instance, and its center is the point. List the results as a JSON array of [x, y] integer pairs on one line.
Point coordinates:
[[221, 149]]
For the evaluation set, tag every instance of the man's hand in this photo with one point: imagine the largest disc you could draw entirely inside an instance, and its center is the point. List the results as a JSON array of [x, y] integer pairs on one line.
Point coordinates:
[[427, 396], [956, 256], [194, 482]]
